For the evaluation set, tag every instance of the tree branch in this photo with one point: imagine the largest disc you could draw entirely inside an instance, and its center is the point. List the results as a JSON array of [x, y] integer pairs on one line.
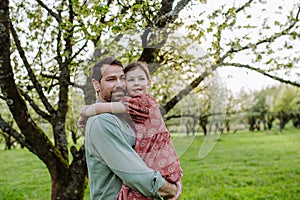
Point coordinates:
[[262, 72], [268, 39], [220, 28], [78, 52], [179, 116], [198, 117], [36, 139], [58, 57], [53, 14], [7, 128], [31, 75], [34, 106], [64, 79], [188, 89], [164, 17], [68, 40], [165, 9], [102, 20], [243, 6], [51, 76]]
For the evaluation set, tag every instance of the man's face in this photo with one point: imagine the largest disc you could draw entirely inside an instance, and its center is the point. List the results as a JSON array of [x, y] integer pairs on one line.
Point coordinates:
[[112, 83]]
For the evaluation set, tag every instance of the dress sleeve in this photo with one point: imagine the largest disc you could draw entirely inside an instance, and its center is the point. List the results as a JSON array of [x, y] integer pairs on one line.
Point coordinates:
[[138, 107]]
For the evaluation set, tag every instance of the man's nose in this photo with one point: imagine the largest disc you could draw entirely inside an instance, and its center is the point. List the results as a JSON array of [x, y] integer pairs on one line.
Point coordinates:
[[120, 82]]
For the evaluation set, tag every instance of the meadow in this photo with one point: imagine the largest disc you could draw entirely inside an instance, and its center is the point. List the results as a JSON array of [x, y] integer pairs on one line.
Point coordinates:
[[245, 165]]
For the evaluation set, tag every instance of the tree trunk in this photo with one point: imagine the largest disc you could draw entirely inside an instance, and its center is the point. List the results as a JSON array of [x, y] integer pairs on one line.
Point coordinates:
[[203, 122], [70, 184], [188, 127], [296, 120], [284, 119], [269, 119], [68, 181], [251, 122], [194, 126], [8, 142]]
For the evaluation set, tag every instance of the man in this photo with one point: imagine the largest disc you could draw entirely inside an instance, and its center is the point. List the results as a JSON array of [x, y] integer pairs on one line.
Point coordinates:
[[109, 143]]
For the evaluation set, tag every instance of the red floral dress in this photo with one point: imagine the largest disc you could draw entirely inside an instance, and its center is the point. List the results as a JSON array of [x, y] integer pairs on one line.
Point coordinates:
[[153, 142]]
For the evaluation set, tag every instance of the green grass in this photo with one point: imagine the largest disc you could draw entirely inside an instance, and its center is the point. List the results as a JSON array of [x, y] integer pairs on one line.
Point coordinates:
[[245, 165], [23, 176]]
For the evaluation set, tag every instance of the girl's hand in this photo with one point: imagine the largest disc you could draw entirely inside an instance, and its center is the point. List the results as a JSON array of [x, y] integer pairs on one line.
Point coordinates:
[[83, 118], [83, 111], [81, 122]]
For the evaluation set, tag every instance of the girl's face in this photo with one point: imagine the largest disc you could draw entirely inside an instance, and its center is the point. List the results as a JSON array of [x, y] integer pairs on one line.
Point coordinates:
[[137, 82]]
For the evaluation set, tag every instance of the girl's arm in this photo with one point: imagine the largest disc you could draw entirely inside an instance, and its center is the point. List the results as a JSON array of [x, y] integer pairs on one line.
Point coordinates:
[[98, 108]]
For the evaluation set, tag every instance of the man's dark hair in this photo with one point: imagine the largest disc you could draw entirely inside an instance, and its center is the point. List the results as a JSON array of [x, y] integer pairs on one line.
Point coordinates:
[[96, 70]]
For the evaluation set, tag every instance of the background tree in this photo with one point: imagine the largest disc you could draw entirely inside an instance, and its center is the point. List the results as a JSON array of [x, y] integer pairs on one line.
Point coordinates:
[[286, 105], [49, 41], [44, 46], [258, 112], [232, 110]]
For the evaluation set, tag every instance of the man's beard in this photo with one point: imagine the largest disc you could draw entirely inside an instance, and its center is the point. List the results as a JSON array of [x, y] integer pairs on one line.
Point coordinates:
[[112, 96], [116, 95]]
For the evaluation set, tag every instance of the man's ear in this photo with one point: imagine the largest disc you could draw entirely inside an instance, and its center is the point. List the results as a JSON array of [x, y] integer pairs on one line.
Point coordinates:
[[96, 85]]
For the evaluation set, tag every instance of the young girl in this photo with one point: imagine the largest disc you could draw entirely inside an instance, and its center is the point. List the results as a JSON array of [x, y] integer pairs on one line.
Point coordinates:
[[153, 142]]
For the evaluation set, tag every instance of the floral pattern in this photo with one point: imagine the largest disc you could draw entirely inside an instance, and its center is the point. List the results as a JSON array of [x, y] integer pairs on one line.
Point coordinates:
[[153, 142]]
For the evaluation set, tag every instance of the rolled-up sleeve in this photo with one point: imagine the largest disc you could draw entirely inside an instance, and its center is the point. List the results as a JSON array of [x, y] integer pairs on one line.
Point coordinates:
[[110, 141]]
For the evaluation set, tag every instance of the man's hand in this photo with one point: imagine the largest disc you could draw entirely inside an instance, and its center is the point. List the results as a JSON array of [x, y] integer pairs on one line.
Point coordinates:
[[168, 190], [179, 190]]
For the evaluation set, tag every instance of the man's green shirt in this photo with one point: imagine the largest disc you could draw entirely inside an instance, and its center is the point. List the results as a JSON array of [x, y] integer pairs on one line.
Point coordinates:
[[111, 160]]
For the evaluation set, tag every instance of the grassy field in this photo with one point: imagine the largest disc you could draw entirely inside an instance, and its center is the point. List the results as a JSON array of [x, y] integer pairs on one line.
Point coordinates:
[[245, 165]]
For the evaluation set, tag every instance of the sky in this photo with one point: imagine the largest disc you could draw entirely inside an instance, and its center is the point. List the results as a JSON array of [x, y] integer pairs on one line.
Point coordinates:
[[237, 78]]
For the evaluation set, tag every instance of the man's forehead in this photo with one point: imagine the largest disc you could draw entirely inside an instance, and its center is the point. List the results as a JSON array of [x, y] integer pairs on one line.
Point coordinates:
[[111, 70]]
